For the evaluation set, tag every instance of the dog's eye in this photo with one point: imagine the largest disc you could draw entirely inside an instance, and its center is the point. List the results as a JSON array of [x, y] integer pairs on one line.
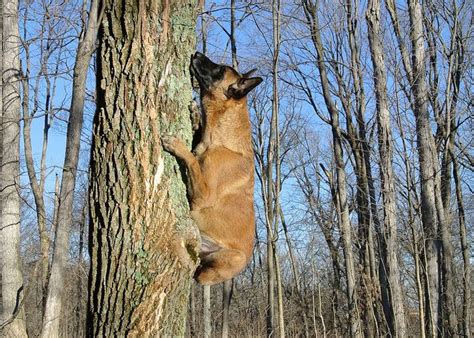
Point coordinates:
[[218, 73]]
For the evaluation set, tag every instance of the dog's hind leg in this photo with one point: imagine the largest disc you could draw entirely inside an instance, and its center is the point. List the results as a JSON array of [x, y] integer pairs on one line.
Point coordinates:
[[220, 266]]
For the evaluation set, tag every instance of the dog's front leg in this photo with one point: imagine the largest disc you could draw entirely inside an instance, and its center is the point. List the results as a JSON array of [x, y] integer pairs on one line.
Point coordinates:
[[198, 189]]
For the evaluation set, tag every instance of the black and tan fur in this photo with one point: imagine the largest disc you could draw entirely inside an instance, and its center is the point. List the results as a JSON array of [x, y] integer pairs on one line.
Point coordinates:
[[221, 171]]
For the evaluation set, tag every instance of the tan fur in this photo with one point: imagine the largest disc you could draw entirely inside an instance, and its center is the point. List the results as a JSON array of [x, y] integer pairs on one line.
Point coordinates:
[[221, 183]]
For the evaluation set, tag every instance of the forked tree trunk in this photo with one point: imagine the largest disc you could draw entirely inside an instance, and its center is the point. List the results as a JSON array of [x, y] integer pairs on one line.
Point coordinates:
[[12, 321], [143, 245], [54, 300]]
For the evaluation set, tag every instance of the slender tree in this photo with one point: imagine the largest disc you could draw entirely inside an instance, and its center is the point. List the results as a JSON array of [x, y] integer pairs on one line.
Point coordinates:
[[274, 158], [466, 303], [394, 309]]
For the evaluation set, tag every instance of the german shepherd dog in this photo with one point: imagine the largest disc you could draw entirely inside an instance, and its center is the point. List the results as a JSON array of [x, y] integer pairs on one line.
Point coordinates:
[[221, 171]]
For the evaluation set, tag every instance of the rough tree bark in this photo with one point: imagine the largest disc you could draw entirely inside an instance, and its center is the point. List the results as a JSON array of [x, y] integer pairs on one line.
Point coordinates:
[[143, 244], [86, 47], [12, 321], [395, 313]]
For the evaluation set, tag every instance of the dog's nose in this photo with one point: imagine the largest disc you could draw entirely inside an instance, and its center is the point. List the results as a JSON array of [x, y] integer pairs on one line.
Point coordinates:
[[198, 55]]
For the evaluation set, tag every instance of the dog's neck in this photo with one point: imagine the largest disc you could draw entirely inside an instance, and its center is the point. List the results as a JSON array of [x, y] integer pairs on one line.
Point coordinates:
[[227, 124]]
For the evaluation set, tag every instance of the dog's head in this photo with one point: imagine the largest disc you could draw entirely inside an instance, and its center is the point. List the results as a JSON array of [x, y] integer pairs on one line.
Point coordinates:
[[220, 81]]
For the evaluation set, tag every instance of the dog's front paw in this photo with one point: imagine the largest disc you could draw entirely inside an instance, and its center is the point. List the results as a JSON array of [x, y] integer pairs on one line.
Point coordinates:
[[170, 143], [173, 145]]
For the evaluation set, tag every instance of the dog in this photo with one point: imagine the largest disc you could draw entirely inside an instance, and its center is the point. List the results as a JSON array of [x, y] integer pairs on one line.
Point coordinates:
[[220, 171]]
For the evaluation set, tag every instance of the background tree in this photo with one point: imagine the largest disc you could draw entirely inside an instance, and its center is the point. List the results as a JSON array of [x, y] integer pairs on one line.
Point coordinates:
[[392, 296], [63, 224], [12, 320]]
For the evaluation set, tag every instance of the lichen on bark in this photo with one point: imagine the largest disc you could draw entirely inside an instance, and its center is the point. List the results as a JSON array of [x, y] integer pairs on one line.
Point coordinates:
[[143, 242]]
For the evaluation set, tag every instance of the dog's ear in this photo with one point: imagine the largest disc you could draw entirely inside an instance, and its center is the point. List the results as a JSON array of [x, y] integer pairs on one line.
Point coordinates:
[[242, 87], [250, 72]]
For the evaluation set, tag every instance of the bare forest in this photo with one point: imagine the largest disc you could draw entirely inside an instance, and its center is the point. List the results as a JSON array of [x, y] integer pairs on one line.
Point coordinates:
[[362, 133]]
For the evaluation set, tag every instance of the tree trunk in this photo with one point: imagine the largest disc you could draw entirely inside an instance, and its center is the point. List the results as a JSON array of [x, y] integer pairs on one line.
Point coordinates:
[[275, 156], [466, 285], [433, 213], [233, 45], [226, 298], [38, 189], [395, 314], [294, 270], [143, 245], [418, 97], [12, 321], [80, 309], [206, 313], [270, 310], [192, 311], [414, 235]]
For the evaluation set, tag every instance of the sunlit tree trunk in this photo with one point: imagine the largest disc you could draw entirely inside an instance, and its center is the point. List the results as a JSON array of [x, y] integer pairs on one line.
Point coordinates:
[[143, 244], [414, 72], [395, 314], [12, 319], [446, 134], [414, 233], [226, 298], [275, 132], [206, 313], [433, 212]]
